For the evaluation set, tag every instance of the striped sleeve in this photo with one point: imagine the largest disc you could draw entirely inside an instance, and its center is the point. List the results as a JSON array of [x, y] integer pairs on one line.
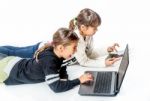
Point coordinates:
[[51, 78], [54, 77], [58, 85]]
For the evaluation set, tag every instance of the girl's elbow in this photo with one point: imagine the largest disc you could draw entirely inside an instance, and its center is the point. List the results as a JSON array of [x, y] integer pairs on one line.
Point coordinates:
[[82, 63], [56, 90]]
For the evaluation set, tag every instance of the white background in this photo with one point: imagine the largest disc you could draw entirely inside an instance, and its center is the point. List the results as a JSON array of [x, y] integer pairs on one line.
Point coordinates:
[[23, 21], [26, 22]]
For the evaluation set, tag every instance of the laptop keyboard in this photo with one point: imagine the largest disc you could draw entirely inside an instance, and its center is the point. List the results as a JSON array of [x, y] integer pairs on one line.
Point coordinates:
[[103, 82]]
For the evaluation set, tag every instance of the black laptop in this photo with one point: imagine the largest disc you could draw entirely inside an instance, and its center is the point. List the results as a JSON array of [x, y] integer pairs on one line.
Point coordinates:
[[106, 83]]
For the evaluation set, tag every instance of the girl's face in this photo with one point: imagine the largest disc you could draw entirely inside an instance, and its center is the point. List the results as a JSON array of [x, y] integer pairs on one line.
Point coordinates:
[[69, 50], [88, 31]]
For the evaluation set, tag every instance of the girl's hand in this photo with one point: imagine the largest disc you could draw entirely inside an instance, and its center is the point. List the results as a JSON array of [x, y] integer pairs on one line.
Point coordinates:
[[112, 48], [111, 61], [86, 77]]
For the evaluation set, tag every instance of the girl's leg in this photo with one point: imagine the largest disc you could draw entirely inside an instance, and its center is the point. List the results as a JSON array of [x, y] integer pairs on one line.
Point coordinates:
[[24, 52], [3, 64]]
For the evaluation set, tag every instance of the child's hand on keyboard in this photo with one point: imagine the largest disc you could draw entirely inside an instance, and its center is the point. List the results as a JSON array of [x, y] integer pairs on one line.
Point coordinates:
[[87, 77]]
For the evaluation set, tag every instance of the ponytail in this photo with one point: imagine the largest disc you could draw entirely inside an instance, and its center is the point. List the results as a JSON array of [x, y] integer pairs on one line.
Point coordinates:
[[73, 24], [46, 46]]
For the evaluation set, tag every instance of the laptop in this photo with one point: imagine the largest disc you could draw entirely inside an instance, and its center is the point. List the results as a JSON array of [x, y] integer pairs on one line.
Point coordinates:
[[106, 83]]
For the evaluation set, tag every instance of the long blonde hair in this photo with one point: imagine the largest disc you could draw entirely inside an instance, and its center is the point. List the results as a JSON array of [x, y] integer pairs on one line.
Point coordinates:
[[62, 36]]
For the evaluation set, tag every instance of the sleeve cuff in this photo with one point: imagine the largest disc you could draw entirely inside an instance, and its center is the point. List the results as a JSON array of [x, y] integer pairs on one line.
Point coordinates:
[[76, 81]]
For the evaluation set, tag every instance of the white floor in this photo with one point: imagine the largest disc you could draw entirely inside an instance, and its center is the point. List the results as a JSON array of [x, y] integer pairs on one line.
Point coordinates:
[[27, 22]]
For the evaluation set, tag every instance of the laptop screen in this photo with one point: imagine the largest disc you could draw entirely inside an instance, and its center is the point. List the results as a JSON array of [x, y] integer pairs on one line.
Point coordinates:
[[123, 67]]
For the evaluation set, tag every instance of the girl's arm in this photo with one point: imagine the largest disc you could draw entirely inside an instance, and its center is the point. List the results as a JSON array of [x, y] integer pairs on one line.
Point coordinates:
[[84, 59], [61, 85], [54, 75], [58, 85], [93, 52]]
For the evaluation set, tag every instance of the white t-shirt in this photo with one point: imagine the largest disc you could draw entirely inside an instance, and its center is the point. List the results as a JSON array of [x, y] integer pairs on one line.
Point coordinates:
[[86, 55]]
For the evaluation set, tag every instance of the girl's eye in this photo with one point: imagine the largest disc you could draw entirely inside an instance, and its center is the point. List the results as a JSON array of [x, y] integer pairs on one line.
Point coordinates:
[[75, 48]]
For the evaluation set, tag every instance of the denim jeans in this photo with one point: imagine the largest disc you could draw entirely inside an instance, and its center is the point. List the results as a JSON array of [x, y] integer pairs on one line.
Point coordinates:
[[23, 52], [2, 56]]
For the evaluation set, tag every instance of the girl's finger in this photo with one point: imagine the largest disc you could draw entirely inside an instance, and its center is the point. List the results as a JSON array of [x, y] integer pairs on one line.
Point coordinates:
[[116, 59], [114, 49], [116, 44]]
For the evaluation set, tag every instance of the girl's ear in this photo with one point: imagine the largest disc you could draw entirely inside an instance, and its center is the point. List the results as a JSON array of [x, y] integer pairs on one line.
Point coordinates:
[[60, 48], [83, 28]]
